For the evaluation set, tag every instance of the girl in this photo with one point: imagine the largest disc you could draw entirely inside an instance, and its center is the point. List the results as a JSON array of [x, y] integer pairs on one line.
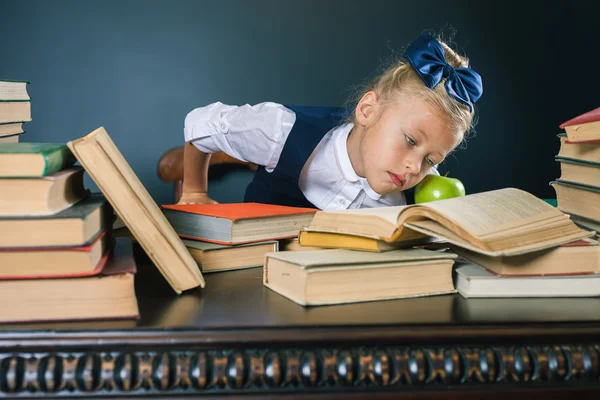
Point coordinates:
[[407, 122]]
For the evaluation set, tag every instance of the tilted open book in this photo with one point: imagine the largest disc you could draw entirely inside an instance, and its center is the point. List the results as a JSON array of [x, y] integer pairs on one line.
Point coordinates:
[[497, 223], [113, 175]]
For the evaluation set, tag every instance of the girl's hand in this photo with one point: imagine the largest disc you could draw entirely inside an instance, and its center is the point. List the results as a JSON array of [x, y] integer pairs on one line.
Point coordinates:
[[196, 198]]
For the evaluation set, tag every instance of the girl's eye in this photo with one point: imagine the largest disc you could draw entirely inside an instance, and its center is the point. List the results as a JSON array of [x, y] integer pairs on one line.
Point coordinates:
[[430, 161], [410, 140]]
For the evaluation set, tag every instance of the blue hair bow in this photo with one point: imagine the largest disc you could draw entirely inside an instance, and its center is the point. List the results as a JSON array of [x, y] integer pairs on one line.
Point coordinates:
[[426, 56]]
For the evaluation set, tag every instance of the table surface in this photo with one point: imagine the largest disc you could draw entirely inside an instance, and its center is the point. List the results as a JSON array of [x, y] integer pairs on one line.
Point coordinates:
[[238, 300], [236, 336]]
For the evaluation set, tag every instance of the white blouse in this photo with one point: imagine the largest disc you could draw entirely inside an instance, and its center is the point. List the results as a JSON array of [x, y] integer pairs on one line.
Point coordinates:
[[258, 133]]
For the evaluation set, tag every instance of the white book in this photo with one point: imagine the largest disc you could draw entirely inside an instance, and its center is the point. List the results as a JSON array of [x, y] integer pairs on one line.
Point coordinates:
[[473, 280]]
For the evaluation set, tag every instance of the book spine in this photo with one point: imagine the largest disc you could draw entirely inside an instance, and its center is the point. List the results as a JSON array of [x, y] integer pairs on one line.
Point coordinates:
[[57, 160]]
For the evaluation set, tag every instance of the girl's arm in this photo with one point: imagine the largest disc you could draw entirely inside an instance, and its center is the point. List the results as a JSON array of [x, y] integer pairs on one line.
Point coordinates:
[[195, 176], [248, 133]]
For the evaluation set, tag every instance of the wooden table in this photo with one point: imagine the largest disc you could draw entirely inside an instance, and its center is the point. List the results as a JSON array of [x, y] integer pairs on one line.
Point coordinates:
[[236, 337]]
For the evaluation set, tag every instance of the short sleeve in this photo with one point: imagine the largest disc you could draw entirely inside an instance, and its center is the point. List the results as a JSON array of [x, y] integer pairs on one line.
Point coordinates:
[[251, 133]]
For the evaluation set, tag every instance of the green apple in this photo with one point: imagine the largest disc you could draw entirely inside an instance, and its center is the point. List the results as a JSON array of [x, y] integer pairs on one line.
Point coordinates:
[[435, 187]]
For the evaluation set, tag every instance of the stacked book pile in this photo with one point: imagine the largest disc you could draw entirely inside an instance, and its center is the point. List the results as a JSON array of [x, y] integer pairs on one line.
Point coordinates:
[[15, 109], [57, 258], [222, 237], [578, 188]]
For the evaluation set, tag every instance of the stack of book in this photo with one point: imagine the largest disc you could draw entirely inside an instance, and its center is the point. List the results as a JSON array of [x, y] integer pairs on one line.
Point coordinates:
[[223, 237], [57, 258], [571, 269], [578, 188], [15, 109], [501, 243]]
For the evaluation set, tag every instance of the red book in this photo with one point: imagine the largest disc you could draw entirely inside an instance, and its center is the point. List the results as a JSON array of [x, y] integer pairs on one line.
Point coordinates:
[[54, 262], [583, 128], [237, 223], [109, 294]]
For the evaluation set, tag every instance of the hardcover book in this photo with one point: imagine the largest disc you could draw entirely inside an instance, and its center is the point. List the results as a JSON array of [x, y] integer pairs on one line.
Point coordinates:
[[237, 223], [584, 127], [26, 160], [47, 195], [108, 294], [212, 257], [74, 226], [345, 276], [132, 203], [474, 281]]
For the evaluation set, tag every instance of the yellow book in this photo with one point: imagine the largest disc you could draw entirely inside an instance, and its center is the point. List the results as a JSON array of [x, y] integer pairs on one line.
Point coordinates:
[[328, 240]]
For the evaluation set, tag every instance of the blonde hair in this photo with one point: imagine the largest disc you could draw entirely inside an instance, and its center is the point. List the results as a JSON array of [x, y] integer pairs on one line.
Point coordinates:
[[400, 77]]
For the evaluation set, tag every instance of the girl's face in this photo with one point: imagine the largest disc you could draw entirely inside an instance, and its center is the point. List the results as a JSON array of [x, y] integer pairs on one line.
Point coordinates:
[[401, 142]]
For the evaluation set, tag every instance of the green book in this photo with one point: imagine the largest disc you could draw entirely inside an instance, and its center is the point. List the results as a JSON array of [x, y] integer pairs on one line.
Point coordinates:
[[77, 225], [576, 185], [32, 160], [575, 161], [579, 171]]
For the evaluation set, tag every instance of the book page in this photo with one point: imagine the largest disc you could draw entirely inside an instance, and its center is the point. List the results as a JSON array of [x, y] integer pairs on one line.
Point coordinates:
[[484, 213], [389, 214], [434, 229]]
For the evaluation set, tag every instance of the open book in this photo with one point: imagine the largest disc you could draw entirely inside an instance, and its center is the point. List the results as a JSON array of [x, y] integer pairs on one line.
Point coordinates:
[[108, 168], [496, 223]]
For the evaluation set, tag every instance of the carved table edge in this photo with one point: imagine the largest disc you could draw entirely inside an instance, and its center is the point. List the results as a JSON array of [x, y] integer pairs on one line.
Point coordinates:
[[146, 371]]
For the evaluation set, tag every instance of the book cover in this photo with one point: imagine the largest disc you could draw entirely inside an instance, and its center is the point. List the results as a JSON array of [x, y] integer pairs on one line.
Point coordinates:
[[131, 201], [49, 274], [590, 116], [475, 281], [342, 258], [34, 159], [341, 241], [575, 161], [238, 211], [209, 246], [237, 223], [583, 128], [576, 185]]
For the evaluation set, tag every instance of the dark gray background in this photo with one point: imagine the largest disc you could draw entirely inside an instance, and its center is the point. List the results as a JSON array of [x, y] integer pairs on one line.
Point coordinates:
[[138, 67]]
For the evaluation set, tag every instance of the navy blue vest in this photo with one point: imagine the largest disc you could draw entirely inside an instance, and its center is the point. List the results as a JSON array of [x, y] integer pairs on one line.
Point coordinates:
[[281, 185]]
